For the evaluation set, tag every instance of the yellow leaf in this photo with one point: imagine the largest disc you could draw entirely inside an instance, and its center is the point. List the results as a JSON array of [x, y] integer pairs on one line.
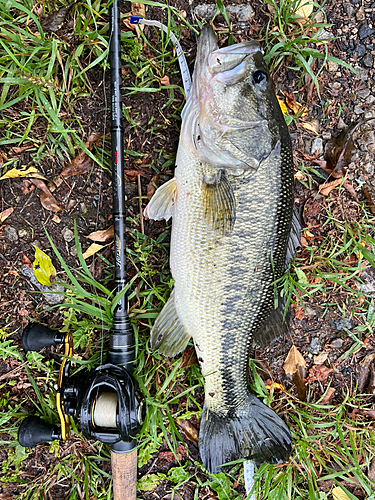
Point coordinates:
[[282, 106], [339, 494], [311, 126], [305, 9], [43, 267], [92, 249], [14, 173]]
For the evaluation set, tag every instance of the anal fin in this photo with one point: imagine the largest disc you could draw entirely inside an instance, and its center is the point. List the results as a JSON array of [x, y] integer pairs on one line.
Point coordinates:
[[161, 204], [168, 335]]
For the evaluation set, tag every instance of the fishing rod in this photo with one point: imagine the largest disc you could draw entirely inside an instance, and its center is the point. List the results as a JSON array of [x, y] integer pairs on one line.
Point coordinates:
[[104, 400]]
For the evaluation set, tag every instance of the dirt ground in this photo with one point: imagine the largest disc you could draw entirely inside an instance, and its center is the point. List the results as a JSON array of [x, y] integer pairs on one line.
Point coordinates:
[[344, 98]]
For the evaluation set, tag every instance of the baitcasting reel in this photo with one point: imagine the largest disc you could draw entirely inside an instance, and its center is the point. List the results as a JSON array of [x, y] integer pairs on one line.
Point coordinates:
[[104, 400]]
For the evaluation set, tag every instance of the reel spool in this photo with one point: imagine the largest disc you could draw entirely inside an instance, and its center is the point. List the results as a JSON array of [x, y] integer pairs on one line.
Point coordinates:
[[104, 401]]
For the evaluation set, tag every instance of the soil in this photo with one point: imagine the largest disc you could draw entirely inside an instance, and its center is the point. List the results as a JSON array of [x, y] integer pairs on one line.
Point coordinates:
[[86, 199]]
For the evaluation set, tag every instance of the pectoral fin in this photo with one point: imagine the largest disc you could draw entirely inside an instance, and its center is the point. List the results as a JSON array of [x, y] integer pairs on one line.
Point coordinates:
[[161, 204], [219, 204], [168, 334]]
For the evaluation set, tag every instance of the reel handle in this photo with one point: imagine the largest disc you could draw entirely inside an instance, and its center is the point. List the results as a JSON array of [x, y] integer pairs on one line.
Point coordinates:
[[34, 430], [36, 336]]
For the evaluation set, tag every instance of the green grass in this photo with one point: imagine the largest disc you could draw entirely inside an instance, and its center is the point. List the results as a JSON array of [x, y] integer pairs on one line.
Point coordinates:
[[43, 77]]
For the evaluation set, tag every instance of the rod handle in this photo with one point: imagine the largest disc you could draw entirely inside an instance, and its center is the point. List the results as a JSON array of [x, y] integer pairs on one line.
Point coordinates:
[[124, 474], [34, 430], [36, 336]]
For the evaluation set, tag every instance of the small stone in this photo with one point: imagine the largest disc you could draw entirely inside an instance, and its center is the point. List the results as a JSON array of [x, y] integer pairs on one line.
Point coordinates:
[[317, 146], [341, 124], [244, 12], [360, 51], [53, 294], [314, 346], [83, 209], [370, 100], [358, 110], [68, 234], [340, 324], [22, 233], [321, 358], [11, 233], [360, 16], [326, 135], [368, 281], [365, 31], [37, 243], [363, 94], [368, 115], [73, 251], [71, 204], [349, 10], [337, 343], [332, 66], [369, 168], [368, 60]]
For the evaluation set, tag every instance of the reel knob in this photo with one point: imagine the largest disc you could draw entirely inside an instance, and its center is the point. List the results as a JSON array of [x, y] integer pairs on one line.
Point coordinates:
[[36, 336], [34, 430]]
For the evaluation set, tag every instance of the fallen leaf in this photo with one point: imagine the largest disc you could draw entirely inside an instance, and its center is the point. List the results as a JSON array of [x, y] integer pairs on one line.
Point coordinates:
[[328, 397], [24, 171], [6, 213], [318, 372], [82, 163], [102, 236], [371, 470], [92, 250], [367, 193], [339, 494], [168, 456], [349, 187], [300, 176], [295, 106], [132, 175], [274, 386], [326, 188], [299, 313], [56, 219], [305, 9], [189, 358], [190, 430], [53, 21], [312, 126], [18, 150], [308, 234], [43, 268], [282, 106], [151, 186], [363, 372], [47, 199], [370, 413], [26, 261], [295, 366], [165, 80], [27, 186]]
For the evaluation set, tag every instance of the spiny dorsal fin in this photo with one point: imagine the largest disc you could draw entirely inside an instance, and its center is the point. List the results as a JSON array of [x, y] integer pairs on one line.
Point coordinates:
[[219, 204], [168, 335], [161, 204]]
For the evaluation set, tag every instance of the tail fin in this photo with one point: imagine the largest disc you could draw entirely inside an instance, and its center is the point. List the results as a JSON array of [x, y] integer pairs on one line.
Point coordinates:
[[252, 431]]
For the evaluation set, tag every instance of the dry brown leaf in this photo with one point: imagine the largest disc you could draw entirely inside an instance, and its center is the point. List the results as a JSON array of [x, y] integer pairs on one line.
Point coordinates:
[[165, 80], [92, 249], [367, 193], [56, 219], [371, 470], [6, 213], [47, 199], [295, 106], [102, 236], [132, 175], [328, 397], [18, 150], [26, 261], [320, 358], [326, 188], [82, 163], [318, 372], [295, 366], [189, 357], [312, 126], [151, 186], [189, 429], [364, 369], [299, 313]]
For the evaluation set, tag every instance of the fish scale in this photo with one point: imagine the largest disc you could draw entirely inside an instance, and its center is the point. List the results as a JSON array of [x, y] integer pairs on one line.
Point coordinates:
[[232, 203]]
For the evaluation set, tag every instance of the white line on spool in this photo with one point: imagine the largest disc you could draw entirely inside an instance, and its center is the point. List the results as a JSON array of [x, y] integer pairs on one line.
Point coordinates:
[[105, 410]]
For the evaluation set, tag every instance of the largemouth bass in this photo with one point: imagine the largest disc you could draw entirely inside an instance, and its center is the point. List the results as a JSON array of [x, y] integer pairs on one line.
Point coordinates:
[[232, 206]]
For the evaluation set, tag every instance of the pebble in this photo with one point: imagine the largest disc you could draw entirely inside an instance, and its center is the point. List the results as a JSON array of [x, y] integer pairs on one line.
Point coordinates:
[[317, 146], [340, 324], [369, 168], [360, 51], [36, 243], [337, 343], [349, 10], [243, 12], [363, 94], [370, 100], [11, 233], [70, 204], [333, 66], [52, 294], [360, 16], [22, 233], [83, 209], [365, 31], [368, 60], [314, 346], [68, 234], [73, 251], [368, 281], [358, 110]]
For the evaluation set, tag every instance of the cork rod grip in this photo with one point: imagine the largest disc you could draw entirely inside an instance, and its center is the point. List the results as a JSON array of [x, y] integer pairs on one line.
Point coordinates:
[[124, 474]]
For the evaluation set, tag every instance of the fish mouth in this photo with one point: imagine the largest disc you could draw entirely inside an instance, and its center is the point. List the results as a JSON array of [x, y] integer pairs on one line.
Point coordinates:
[[207, 44]]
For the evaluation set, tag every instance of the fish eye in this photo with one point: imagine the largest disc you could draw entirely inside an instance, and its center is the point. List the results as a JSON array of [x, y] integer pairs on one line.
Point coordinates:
[[259, 77]]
